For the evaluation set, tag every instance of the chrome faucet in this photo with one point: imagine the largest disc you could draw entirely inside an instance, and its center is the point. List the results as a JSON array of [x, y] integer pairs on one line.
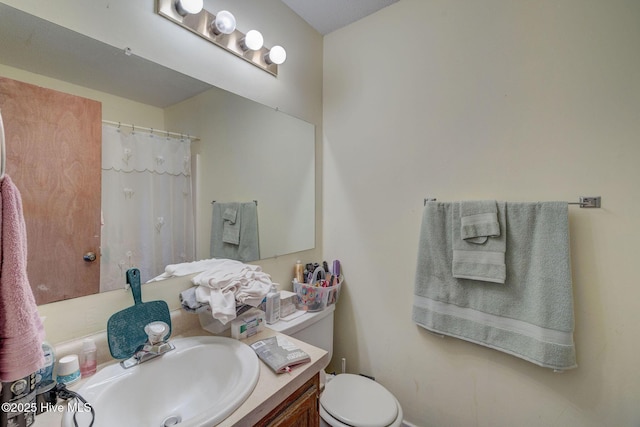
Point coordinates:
[[156, 345]]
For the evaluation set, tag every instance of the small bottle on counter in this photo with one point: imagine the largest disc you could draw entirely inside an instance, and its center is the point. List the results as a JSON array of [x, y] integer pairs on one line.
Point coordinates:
[[88, 358], [68, 370], [45, 373], [272, 312], [299, 272]]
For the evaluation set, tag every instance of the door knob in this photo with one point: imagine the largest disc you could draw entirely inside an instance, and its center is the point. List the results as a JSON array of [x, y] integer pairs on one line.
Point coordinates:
[[89, 257]]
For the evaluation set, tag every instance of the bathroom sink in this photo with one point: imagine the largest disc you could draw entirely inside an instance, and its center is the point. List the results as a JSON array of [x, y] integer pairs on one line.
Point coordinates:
[[200, 383]]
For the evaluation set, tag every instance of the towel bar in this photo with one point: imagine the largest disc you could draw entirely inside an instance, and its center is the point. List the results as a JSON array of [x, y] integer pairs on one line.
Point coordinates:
[[585, 201], [255, 201], [588, 202]]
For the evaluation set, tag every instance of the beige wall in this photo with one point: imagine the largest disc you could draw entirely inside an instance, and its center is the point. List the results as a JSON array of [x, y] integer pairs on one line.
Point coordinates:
[[251, 152], [297, 90], [114, 108], [511, 100]]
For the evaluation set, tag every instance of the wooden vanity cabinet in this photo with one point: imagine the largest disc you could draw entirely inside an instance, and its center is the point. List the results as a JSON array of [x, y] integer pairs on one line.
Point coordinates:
[[300, 409]]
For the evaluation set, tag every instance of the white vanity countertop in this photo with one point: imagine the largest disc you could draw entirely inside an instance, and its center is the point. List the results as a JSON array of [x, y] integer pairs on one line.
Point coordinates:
[[270, 390], [273, 388]]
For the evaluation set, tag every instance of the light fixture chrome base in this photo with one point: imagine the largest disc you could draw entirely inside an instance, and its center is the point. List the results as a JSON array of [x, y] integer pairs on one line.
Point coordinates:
[[200, 24]]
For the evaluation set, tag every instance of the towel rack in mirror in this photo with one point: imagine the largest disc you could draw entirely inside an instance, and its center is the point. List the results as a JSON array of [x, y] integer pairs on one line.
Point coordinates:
[[255, 201]]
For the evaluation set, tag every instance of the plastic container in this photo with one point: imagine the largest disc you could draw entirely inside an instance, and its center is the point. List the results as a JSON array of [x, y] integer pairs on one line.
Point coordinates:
[[88, 358], [45, 374], [215, 326], [316, 296], [68, 370]]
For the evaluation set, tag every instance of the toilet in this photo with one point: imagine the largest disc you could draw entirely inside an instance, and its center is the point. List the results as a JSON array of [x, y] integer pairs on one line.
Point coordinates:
[[347, 400]]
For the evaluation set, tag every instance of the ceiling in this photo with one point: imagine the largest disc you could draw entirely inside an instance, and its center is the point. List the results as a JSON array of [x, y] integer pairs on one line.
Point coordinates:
[[330, 15]]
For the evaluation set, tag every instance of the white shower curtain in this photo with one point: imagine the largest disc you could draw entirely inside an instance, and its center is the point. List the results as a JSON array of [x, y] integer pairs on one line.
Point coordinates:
[[146, 205]]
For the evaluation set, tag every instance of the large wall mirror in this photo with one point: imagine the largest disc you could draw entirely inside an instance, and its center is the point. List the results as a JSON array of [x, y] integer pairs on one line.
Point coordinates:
[[245, 152]]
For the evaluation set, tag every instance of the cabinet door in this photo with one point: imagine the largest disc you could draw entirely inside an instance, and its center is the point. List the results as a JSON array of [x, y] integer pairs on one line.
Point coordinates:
[[53, 143], [300, 409], [302, 413]]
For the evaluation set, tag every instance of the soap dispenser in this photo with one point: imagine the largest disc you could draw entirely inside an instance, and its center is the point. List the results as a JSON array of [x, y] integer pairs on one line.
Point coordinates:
[[272, 312]]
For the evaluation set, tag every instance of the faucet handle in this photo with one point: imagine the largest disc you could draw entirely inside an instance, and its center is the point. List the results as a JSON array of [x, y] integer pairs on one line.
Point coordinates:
[[156, 332]]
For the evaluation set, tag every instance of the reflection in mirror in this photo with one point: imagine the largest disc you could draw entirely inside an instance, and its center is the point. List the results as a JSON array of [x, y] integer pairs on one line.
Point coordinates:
[[147, 206], [246, 152]]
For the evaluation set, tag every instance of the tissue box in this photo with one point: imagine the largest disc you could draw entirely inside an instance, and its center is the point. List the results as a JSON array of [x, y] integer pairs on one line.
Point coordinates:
[[287, 297], [288, 302], [248, 324]]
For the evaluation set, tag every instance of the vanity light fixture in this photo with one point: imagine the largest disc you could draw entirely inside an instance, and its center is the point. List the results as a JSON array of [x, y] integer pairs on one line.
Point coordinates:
[[220, 29], [253, 40], [223, 23], [277, 55], [189, 7]]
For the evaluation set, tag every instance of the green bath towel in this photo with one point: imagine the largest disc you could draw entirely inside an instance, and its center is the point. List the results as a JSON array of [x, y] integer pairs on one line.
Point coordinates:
[[529, 316]]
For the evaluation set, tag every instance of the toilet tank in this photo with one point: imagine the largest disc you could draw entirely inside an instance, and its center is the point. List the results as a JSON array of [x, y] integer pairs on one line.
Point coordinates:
[[315, 328]]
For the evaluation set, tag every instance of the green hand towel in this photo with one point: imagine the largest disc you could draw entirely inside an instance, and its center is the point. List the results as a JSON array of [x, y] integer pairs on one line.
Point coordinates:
[[481, 255]]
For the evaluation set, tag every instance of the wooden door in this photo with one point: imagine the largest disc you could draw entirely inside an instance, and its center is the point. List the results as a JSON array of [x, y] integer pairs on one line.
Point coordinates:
[[53, 143]]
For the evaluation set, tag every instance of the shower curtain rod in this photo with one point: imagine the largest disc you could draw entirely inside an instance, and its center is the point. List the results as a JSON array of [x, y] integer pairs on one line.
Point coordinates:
[[152, 130]]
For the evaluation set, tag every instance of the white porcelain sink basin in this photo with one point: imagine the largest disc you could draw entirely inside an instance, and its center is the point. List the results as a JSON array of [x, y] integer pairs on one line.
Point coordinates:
[[200, 383]]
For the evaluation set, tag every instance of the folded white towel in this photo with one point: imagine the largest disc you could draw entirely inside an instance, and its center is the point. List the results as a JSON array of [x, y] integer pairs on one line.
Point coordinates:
[[230, 281]]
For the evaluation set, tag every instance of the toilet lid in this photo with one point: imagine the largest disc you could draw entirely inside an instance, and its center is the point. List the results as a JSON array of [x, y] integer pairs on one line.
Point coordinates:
[[358, 401]]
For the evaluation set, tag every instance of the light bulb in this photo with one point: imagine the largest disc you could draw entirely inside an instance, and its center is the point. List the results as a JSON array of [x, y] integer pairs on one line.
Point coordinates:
[[252, 40], [189, 7], [277, 55], [225, 23]]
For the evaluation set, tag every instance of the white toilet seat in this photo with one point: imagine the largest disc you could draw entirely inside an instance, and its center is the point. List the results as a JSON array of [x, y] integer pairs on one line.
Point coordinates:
[[355, 401]]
